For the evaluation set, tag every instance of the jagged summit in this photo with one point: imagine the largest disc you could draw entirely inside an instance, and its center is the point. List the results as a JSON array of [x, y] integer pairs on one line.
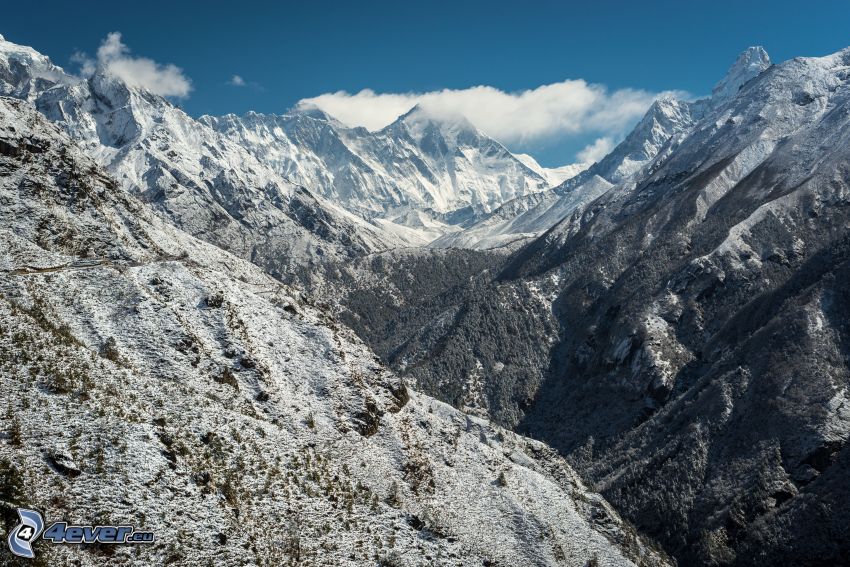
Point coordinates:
[[423, 162], [452, 128], [25, 73], [293, 118], [749, 64], [312, 112], [420, 113]]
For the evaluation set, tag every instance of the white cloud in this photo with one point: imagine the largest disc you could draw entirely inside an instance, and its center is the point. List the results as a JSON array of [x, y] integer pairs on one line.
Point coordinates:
[[87, 64], [570, 107], [594, 152], [114, 55], [239, 81]]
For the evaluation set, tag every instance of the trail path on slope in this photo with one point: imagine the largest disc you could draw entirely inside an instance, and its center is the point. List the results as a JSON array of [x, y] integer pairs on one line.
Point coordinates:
[[88, 264]]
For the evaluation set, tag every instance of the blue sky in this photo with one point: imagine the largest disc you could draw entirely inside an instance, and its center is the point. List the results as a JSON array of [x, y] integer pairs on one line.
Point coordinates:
[[285, 52]]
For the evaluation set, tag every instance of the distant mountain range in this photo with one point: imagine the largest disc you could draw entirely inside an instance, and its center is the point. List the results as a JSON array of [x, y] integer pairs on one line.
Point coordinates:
[[420, 172]]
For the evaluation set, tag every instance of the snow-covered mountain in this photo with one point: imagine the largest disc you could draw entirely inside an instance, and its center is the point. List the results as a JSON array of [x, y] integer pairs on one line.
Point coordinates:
[[149, 376], [654, 138], [197, 178], [239, 181], [445, 170], [26, 73]]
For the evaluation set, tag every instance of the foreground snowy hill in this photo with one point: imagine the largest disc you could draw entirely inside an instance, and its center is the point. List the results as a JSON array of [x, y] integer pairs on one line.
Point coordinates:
[[151, 377]]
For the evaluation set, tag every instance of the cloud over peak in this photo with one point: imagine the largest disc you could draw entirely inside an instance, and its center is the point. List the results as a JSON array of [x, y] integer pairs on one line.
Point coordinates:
[[114, 56], [594, 152], [569, 107]]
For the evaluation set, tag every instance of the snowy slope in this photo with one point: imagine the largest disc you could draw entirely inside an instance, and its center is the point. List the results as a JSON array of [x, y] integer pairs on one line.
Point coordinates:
[[151, 377], [522, 219], [555, 175]]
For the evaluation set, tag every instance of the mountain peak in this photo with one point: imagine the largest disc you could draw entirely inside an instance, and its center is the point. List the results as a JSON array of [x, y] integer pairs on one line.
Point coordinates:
[[420, 120], [414, 110], [311, 111], [26, 73], [749, 64]]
